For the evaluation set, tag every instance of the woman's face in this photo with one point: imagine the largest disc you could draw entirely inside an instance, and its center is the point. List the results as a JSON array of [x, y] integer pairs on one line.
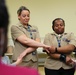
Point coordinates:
[[59, 26], [24, 17]]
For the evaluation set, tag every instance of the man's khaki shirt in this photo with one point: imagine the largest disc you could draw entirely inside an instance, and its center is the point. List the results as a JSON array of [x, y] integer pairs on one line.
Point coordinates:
[[51, 40]]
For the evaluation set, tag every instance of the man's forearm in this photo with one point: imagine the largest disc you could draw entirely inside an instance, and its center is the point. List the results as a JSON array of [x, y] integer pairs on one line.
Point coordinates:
[[29, 42], [66, 49], [34, 43], [26, 51], [55, 56], [29, 50]]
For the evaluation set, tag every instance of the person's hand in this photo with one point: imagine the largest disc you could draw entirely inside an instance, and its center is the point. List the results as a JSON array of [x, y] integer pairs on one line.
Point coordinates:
[[74, 62], [69, 61], [46, 49], [52, 49], [18, 61]]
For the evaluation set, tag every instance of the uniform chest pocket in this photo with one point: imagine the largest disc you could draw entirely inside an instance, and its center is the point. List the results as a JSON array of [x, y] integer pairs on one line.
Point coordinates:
[[65, 41]]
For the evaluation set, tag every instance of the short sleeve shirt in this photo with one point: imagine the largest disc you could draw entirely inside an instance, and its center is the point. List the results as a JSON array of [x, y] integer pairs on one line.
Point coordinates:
[[18, 30], [51, 39]]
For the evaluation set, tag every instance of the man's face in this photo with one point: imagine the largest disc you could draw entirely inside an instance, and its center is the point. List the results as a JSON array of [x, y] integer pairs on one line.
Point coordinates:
[[59, 26]]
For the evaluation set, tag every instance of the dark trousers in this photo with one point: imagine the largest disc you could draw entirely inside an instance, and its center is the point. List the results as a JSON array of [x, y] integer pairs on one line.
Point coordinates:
[[61, 71]]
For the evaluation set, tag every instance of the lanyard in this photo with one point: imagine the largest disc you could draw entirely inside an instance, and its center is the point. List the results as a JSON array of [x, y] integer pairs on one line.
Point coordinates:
[[29, 30], [59, 40]]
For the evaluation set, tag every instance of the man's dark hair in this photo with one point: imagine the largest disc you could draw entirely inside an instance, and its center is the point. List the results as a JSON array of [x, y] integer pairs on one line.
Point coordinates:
[[53, 23]]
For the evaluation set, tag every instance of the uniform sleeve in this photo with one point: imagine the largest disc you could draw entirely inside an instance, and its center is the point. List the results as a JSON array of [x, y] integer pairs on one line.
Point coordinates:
[[9, 62], [72, 39], [6, 60], [46, 40], [16, 32]]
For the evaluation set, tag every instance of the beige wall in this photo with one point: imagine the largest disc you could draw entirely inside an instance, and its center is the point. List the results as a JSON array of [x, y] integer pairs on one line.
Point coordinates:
[[43, 12]]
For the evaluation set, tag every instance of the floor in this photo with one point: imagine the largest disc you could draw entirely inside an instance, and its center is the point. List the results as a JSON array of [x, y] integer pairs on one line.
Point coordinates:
[[41, 70]]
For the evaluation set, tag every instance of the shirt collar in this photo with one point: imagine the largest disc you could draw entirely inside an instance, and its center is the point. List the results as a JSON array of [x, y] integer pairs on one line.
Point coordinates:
[[59, 34], [21, 25]]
